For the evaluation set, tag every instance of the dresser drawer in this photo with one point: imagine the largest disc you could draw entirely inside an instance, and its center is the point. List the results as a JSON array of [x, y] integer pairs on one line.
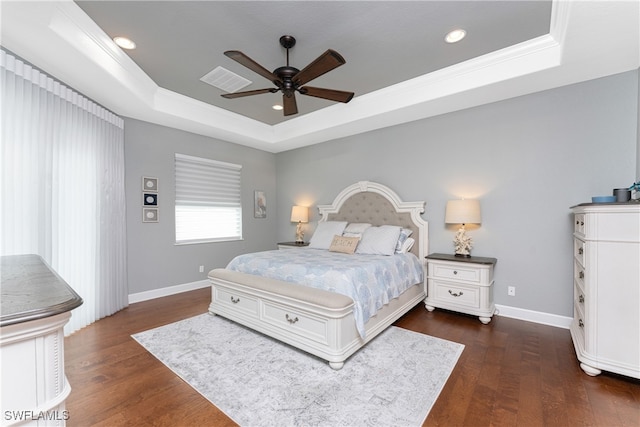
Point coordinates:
[[454, 272], [579, 273], [239, 301], [579, 296], [578, 250], [578, 318], [578, 223], [455, 293], [295, 321]]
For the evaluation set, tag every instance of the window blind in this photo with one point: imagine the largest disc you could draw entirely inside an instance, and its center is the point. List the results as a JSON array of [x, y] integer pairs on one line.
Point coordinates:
[[208, 200]]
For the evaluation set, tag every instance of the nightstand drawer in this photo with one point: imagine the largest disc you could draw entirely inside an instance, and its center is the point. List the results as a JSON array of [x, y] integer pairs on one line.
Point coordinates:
[[455, 293], [454, 272]]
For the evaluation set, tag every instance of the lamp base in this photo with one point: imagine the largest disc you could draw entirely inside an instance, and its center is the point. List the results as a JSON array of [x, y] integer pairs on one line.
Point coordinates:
[[462, 243]]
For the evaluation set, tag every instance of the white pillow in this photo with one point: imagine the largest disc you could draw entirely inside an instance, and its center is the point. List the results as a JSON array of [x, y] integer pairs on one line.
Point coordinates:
[[379, 240], [324, 233], [355, 229]]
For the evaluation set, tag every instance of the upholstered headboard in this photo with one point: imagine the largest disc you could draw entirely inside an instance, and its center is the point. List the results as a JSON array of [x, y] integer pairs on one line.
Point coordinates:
[[377, 204]]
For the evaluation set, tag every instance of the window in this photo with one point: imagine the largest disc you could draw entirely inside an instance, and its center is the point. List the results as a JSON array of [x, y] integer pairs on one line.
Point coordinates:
[[208, 205]]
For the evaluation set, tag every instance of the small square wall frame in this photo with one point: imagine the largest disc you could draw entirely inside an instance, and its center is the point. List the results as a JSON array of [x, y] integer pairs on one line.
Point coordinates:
[[149, 184]]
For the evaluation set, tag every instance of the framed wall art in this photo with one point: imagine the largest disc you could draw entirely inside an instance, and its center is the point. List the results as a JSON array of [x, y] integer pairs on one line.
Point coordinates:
[[149, 184], [150, 199], [149, 214], [259, 204]]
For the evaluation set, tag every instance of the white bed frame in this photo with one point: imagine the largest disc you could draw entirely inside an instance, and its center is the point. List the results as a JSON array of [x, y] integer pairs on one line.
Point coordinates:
[[313, 320]]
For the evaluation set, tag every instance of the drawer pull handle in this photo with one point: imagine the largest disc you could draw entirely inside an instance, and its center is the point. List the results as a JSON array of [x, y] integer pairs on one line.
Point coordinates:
[[235, 300], [290, 320], [580, 323], [581, 275], [455, 272], [581, 299], [580, 251], [459, 294]]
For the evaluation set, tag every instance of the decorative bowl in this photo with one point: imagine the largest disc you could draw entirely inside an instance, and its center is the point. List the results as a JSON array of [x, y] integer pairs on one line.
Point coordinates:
[[603, 199]]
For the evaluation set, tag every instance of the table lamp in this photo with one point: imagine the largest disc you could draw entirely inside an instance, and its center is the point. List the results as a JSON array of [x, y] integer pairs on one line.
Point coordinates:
[[462, 212]]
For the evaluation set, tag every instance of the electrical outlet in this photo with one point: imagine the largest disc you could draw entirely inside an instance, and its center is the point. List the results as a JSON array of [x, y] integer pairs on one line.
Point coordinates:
[[511, 291], [202, 269]]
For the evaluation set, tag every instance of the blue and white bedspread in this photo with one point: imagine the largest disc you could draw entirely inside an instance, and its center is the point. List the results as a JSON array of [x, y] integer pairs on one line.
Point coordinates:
[[370, 280]]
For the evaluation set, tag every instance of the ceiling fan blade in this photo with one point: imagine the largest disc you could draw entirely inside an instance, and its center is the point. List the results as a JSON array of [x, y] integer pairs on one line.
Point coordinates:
[[247, 93], [289, 104], [331, 94], [321, 65], [243, 59]]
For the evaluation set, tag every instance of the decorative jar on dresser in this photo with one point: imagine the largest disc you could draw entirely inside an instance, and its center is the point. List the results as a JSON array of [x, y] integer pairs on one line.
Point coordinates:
[[463, 284], [606, 282]]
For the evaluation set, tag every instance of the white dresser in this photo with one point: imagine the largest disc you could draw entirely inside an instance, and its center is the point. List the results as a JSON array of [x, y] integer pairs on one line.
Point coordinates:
[[35, 305], [606, 277]]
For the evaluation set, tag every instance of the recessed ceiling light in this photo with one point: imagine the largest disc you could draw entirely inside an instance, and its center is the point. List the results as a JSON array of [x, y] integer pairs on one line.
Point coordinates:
[[124, 42], [277, 107], [455, 35]]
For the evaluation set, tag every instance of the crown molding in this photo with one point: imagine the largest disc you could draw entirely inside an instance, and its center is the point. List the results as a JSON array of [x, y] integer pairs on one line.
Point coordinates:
[[580, 46]]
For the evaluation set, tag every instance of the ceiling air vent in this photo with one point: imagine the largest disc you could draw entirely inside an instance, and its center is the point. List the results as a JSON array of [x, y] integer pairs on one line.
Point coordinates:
[[225, 80]]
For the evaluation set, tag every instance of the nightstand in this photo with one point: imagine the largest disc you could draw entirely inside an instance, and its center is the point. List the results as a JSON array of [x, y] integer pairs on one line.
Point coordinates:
[[462, 284], [292, 245]]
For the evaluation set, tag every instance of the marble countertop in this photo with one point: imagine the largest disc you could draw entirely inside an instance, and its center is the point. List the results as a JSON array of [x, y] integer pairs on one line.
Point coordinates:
[[31, 290]]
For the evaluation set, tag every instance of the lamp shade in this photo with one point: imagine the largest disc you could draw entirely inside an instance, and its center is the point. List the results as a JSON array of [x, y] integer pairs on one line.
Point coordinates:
[[299, 214], [462, 212]]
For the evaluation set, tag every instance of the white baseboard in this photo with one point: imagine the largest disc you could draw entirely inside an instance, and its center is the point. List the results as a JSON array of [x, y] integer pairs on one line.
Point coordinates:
[[170, 290], [502, 310], [534, 316]]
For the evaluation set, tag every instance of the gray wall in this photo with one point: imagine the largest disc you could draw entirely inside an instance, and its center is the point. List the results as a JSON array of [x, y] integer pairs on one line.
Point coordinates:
[[638, 134], [153, 260], [527, 159]]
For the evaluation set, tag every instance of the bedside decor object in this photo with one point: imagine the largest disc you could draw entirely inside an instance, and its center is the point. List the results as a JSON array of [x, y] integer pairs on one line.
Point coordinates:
[[462, 284], [299, 214], [462, 212], [603, 199]]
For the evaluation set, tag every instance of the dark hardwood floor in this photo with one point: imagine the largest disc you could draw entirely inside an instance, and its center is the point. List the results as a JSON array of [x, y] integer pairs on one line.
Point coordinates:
[[511, 373]]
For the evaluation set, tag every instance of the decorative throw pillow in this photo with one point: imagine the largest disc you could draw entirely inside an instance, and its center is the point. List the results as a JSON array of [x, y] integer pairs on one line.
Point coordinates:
[[355, 229], [404, 235], [324, 233], [406, 246], [344, 244], [379, 240]]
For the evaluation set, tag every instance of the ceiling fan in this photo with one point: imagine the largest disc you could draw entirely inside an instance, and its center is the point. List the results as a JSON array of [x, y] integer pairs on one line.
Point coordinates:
[[289, 79]]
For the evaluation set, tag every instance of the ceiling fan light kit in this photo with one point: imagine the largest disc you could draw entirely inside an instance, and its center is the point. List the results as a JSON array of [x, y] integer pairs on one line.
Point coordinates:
[[290, 80]]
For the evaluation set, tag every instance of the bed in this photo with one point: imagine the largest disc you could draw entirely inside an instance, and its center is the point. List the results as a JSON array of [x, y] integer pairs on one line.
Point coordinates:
[[329, 325]]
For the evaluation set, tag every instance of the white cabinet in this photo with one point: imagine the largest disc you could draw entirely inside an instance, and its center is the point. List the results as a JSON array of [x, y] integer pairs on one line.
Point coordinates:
[[463, 284], [606, 281]]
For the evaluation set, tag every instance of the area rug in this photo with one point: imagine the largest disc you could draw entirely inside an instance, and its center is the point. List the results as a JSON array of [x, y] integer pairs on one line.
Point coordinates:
[[258, 381]]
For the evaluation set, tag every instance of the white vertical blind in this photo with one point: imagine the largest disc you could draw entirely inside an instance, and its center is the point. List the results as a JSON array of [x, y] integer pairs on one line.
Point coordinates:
[[208, 200], [62, 186]]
